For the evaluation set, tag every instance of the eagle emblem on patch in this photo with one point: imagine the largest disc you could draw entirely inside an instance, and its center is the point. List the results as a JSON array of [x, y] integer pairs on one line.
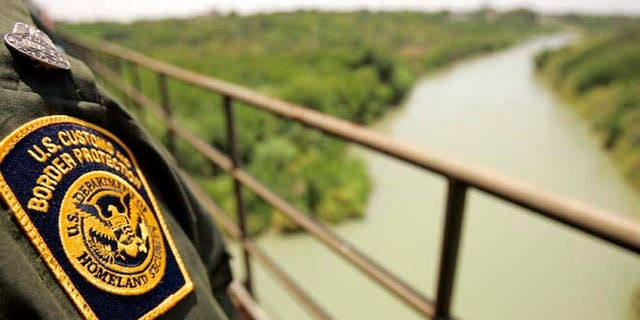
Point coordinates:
[[77, 192]]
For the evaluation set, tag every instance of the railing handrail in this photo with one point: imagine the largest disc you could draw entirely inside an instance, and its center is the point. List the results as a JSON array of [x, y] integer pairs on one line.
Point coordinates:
[[615, 228]]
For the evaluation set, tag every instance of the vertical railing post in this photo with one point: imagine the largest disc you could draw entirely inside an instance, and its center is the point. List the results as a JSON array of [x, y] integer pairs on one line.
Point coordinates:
[[117, 66], [125, 73], [166, 106], [135, 82], [456, 197], [237, 188]]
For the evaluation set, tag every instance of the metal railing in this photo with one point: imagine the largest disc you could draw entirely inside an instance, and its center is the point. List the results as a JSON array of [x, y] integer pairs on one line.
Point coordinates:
[[615, 229]]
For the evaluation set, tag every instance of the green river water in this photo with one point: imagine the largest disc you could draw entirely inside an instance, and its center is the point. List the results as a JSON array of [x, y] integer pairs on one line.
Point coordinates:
[[491, 111]]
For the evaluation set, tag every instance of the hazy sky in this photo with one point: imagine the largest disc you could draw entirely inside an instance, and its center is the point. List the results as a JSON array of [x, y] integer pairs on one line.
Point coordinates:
[[127, 10]]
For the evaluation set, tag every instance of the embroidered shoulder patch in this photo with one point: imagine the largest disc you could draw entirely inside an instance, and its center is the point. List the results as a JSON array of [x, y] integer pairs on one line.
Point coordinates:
[[78, 194]]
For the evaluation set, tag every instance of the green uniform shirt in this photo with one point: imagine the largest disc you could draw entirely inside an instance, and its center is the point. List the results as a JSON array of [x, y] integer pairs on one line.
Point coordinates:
[[28, 289]]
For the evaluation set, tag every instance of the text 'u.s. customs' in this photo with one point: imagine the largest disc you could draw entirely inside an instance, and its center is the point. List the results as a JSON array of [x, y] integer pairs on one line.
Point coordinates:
[[63, 152]]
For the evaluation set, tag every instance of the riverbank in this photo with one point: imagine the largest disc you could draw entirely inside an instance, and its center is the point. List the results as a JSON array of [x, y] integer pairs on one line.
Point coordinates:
[[600, 77], [355, 66]]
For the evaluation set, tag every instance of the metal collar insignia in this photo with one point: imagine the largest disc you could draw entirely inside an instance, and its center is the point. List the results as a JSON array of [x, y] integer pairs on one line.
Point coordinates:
[[36, 45]]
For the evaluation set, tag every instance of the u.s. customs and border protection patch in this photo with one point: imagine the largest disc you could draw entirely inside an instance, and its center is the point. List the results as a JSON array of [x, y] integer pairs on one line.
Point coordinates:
[[78, 193]]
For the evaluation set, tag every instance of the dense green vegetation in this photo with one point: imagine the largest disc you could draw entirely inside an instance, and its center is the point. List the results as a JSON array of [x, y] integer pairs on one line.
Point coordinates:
[[352, 65], [601, 76]]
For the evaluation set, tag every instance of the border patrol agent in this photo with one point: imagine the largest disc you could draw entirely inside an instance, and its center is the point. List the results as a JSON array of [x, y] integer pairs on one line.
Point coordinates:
[[95, 222]]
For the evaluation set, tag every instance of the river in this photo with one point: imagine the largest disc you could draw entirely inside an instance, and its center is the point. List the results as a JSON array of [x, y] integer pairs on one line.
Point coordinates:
[[492, 111]]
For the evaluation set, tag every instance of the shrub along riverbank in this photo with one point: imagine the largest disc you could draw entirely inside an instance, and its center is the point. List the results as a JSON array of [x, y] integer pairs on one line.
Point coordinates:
[[600, 76], [352, 65]]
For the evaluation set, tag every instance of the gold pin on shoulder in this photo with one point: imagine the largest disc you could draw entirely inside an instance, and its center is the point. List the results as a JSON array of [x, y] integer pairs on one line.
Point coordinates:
[[36, 45]]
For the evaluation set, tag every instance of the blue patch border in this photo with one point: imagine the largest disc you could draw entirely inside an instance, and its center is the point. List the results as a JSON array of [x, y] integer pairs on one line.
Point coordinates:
[[32, 232]]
